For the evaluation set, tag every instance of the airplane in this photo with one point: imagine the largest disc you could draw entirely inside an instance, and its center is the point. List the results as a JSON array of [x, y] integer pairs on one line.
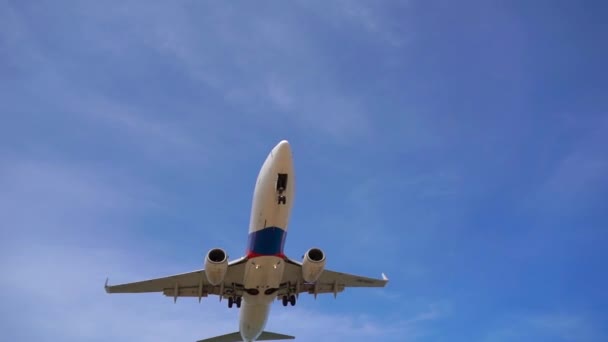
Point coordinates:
[[264, 273]]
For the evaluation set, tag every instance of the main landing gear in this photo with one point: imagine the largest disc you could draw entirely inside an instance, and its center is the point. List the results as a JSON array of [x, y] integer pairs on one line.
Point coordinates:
[[234, 300], [289, 300]]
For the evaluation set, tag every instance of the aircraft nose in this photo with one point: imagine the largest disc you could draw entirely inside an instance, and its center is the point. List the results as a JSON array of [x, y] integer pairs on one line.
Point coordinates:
[[282, 152]]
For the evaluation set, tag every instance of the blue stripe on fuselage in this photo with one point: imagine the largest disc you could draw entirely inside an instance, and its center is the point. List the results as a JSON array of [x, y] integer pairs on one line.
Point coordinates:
[[267, 241]]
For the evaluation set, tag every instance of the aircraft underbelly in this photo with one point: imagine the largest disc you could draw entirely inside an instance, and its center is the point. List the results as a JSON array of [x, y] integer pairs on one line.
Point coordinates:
[[262, 278], [252, 320]]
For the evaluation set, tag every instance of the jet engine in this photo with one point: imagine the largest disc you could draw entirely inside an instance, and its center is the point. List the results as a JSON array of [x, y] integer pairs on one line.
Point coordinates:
[[313, 265], [216, 265]]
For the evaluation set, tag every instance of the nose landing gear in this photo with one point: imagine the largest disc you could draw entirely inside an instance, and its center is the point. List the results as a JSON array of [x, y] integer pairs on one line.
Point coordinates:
[[281, 186]]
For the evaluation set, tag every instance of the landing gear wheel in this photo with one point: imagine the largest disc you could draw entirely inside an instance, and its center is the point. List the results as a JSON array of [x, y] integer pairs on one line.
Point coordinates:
[[230, 302], [282, 200], [292, 300], [238, 302], [285, 301]]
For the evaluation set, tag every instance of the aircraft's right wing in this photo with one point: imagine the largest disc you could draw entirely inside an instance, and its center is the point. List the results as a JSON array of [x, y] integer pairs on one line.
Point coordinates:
[[328, 282], [191, 284]]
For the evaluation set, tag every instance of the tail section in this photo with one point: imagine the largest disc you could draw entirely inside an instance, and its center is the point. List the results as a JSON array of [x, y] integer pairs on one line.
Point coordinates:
[[236, 337]]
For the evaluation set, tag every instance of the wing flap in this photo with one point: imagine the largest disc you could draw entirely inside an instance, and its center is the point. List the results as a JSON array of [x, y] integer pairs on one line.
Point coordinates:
[[229, 290], [328, 282], [191, 284]]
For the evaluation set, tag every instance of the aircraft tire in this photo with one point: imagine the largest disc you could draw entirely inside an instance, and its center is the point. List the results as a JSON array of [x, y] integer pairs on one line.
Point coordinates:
[[292, 300]]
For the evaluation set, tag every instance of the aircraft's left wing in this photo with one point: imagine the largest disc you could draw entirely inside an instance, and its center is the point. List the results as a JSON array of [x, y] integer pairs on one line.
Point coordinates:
[[191, 284], [328, 282]]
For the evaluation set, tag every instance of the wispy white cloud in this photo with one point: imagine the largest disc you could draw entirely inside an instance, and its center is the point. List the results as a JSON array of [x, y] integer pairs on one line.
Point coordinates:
[[578, 177], [89, 111], [260, 72], [319, 108], [370, 17], [547, 326], [46, 196], [567, 326], [156, 137]]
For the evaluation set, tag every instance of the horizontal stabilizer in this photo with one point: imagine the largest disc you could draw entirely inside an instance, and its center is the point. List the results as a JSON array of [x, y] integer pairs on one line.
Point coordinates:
[[270, 336], [236, 337]]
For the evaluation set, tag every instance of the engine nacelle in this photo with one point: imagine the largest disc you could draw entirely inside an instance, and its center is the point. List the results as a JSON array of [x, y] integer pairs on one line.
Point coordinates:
[[313, 265], [216, 265]]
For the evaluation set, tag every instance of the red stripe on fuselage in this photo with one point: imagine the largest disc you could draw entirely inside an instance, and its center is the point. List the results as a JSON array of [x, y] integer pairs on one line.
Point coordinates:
[[251, 255]]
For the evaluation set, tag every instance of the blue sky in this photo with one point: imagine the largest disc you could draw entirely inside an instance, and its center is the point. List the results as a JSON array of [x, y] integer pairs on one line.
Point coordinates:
[[457, 146]]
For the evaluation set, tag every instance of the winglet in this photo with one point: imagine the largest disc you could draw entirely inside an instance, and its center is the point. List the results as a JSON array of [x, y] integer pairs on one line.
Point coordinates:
[[384, 277], [106, 286]]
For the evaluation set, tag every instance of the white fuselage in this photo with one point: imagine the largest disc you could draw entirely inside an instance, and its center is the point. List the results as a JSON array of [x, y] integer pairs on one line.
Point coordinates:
[[272, 200]]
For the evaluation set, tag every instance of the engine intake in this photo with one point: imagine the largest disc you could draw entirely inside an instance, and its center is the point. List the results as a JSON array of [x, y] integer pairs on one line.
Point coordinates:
[[313, 265], [216, 265]]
